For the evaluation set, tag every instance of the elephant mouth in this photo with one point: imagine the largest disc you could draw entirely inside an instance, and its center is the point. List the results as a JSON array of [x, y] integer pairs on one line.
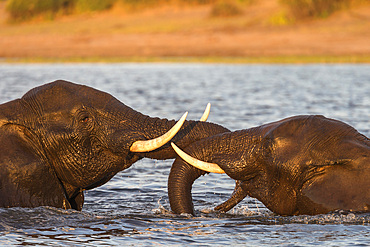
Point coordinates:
[[204, 166], [153, 144]]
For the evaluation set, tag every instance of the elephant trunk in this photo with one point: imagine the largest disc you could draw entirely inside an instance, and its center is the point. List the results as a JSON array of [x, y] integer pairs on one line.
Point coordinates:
[[244, 145], [190, 132], [183, 175], [181, 179], [132, 127]]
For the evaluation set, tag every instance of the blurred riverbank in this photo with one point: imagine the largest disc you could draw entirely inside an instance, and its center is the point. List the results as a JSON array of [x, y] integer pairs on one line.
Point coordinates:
[[170, 33]]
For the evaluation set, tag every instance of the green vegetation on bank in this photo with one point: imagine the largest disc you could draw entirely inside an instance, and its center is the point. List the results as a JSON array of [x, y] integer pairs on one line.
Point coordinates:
[[226, 8], [353, 59], [301, 9], [26, 9], [21, 10]]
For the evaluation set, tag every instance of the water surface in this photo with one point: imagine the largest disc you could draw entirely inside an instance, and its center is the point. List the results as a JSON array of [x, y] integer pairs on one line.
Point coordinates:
[[133, 208]]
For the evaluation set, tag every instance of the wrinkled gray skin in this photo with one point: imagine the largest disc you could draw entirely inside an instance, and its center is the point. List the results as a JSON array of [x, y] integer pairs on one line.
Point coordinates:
[[299, 165], [62, 138]]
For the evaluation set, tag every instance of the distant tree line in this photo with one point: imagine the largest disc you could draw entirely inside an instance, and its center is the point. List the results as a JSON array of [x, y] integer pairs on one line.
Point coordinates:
[[26, 9], [299, 9]]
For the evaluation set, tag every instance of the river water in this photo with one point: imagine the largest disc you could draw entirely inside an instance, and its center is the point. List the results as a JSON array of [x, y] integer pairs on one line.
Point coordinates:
[[133, 209]]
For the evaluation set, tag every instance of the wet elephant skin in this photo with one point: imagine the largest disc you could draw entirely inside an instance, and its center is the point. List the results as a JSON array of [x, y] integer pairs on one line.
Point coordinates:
[[62, 138], [298, 165]]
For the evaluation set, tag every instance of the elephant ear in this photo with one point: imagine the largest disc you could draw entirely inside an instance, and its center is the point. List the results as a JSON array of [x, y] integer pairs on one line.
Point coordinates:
[[26, 179], [341, 186]]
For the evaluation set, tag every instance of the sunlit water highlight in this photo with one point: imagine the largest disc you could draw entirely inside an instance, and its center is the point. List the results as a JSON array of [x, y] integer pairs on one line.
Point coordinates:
[[133, 208]]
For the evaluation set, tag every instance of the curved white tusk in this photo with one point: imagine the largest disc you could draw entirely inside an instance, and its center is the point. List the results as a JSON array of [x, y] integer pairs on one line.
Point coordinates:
[[150, 145], [205, 166], [206, 113]]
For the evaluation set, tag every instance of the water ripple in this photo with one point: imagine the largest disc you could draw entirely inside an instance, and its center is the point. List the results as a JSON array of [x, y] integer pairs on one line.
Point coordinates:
[[133, 208]]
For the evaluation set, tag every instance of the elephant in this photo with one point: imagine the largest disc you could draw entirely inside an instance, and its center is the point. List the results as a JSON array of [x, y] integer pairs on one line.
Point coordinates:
[[62, 138], [300, 165]]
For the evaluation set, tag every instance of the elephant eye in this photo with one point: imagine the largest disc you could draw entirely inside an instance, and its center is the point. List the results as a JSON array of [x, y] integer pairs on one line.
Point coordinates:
[[85, 119]]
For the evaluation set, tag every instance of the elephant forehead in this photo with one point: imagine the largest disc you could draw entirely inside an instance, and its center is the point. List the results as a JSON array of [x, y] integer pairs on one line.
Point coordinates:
[[60, 116], [61, 95]]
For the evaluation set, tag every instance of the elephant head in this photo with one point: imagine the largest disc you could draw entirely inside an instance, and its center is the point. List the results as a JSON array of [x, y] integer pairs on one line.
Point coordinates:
[[62, 138], [299, 165]]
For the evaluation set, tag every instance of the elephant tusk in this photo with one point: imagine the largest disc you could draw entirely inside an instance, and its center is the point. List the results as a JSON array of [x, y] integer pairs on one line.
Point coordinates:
[[206, 113], [205, 166], [150, 145]]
